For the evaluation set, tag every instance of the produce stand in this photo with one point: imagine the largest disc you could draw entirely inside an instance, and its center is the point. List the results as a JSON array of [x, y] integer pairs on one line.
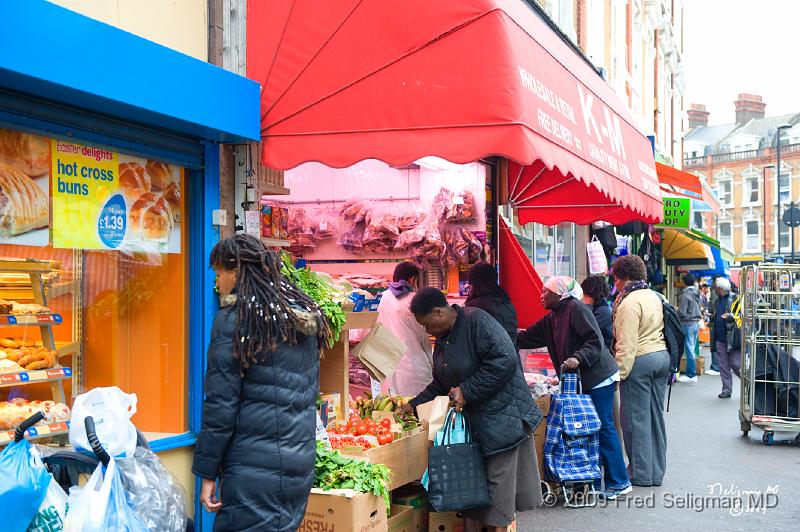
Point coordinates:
[[334, 375]]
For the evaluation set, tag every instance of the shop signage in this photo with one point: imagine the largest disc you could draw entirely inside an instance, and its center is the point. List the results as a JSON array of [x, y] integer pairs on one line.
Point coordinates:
[[105, 200], [677, 213]]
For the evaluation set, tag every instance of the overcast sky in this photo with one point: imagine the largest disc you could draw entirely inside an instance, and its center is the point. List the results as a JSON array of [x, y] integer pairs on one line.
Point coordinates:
[[734, 46]]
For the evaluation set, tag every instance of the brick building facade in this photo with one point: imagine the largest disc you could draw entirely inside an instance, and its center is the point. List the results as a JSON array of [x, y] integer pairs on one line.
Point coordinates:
[[736, 159]]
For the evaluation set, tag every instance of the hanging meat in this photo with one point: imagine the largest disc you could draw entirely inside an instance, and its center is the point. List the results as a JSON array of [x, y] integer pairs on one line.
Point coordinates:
[[463, 210], [381, 234]]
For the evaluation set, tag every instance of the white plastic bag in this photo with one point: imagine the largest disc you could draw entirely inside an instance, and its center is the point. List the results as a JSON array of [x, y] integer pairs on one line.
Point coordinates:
[[102, 505], [88, 505], [112, 410], [52, 512], [597, 257]]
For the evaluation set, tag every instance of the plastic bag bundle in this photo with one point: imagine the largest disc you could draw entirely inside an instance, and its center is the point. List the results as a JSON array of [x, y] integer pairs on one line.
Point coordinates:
[[154, 493], [101, 505], [23, 484], [112, 410]]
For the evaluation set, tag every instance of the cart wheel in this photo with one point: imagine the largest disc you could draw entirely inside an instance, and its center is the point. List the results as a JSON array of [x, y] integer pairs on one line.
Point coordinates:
[[549, 497], [768, 438]]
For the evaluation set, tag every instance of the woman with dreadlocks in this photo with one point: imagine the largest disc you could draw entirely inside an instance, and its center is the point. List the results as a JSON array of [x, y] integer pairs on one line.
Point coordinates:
[[259, 415]]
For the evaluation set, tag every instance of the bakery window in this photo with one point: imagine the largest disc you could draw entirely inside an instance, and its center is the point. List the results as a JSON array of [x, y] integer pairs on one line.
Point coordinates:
[[93, 282]]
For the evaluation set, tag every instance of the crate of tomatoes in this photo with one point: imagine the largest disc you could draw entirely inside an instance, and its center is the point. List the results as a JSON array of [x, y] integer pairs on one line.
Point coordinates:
[[381, 439]]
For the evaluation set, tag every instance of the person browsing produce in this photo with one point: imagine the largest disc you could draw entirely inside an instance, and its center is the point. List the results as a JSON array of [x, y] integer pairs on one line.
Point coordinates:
[[486, 294], [476, 364], [413, 372], [259, 414]]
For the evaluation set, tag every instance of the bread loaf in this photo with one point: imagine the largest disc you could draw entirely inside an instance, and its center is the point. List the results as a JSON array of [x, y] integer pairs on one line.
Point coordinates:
[[151, 217], [29, 153], [133, 180], [160, 174]]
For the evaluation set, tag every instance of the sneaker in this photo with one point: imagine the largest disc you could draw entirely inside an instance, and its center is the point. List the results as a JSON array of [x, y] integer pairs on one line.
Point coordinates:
[[712, 372], [684, 378], [612, 495], [725, 395]]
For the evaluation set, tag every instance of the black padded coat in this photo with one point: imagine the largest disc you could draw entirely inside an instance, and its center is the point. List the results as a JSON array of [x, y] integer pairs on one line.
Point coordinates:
[[258, 433], [499, 306], [479, 357]]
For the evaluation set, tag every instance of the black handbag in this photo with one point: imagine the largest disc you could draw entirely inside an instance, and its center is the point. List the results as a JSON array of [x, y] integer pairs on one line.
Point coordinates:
[[456, 472]]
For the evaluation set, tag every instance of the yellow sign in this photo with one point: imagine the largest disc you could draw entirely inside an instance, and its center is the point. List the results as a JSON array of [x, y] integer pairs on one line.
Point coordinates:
[[83, 179], [105, 200]]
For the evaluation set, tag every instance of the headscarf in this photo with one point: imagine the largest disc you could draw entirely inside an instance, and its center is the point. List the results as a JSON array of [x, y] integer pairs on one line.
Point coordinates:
[[564, 286]]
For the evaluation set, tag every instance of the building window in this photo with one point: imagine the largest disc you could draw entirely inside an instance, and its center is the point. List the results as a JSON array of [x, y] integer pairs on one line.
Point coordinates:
[[699, 220], [783, 234], [752, 240], [725, 236], [751, 191], [784, 187], [725, 193]]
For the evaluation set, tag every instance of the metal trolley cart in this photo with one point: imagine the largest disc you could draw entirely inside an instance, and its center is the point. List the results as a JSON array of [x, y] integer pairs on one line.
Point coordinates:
[[770, 325]]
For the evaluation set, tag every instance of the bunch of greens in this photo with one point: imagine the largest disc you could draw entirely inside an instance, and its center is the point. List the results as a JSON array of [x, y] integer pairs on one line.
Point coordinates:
[[334, 471], [319, 291]]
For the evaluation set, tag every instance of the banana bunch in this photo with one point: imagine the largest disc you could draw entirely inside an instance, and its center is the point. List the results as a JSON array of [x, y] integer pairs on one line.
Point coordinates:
[[366, 405]]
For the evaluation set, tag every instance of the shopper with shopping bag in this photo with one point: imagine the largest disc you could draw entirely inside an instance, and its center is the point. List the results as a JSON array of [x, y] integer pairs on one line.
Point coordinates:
[[476, 364], [262, 382], [574, 341]]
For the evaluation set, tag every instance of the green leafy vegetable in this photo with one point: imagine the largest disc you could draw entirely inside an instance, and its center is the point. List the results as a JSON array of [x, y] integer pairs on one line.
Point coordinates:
[[318, 290], [334, 471]]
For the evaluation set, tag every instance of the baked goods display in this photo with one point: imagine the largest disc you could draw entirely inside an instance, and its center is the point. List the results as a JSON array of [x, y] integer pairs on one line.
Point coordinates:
[[17, 410], [27, 309], [6, 306], [151, 217], [24, 206], [31, 358], [160, 174], [29, 153], [156, 198], [133, 179]]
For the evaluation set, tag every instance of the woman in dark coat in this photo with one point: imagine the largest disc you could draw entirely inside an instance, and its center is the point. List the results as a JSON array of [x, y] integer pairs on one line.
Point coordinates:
[[475, 363], [486, 294], [595, 294], [259, 415]]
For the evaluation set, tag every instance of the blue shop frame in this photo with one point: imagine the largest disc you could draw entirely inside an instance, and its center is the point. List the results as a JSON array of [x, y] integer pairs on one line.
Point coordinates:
[[181, 120]]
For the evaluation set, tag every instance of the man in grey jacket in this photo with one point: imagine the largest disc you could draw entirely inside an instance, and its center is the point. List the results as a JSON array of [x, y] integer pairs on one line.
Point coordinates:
[[690, 313]]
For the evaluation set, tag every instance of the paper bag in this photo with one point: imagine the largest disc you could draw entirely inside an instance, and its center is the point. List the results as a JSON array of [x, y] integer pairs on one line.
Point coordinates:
[[433, 414], [380, 352]]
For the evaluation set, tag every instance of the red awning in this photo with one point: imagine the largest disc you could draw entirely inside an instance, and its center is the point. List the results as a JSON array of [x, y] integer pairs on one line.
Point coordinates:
[[668, 175], [351, 80], [520, 279]]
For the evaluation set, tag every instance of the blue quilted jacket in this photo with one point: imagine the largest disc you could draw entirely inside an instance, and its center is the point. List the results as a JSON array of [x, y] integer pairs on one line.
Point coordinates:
[[258, 433]]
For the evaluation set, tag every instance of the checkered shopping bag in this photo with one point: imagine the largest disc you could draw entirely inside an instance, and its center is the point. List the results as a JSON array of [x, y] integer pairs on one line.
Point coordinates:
[[572, 445]]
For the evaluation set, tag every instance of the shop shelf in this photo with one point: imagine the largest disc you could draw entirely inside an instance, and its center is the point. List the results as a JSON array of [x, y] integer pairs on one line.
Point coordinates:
[[22, 378], [271, 189], [38, 431], [67, 348], [25, 292], [30, 319], [275, 243]]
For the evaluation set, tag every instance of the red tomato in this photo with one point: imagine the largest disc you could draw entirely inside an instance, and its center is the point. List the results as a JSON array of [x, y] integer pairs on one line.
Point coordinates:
[[361, 428], [386, 422]]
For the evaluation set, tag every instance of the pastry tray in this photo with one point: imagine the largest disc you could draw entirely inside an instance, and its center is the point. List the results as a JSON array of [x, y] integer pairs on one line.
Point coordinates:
[[22, 378]]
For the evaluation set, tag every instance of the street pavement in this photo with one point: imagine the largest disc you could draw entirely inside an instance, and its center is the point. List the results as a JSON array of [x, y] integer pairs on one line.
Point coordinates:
[[708, 462]]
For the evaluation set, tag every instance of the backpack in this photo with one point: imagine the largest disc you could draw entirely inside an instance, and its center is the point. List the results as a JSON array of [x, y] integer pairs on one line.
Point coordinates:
[[674, 338]]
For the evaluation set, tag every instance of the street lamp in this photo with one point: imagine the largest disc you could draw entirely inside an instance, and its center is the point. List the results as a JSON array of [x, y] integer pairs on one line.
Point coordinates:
[[764, 203], [778, 135]]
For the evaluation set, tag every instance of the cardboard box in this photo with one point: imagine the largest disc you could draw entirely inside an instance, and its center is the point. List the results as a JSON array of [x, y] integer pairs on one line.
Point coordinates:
[[540, 433], [344, 510], [445, 522], [454, 522], [700, 363], [414, 495], [402, 519], [407, 458]]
